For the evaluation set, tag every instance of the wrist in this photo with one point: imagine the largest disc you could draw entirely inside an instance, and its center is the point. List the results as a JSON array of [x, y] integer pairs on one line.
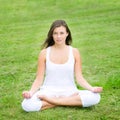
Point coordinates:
[[91, 89], [31, 92]]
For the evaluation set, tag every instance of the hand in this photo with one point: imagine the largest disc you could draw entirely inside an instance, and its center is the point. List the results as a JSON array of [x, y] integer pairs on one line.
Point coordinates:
[[97, 89], [27, 94]]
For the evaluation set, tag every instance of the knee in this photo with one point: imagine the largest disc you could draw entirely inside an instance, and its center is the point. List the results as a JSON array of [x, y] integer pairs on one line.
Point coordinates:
[[97, 98], [25, 106], [90, 99], [30, 106]]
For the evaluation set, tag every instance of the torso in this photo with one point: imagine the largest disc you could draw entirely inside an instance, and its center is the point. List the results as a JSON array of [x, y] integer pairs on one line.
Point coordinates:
[[59, 70]]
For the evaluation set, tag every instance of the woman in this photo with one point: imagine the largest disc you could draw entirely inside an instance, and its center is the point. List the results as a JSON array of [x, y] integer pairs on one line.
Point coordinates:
[[59, 62]]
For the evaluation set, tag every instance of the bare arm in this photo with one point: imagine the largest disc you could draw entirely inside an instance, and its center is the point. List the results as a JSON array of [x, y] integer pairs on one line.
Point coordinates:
[[78, 74], [39, 77]]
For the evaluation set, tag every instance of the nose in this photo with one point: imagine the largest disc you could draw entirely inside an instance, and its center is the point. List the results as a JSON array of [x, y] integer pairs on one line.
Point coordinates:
[[58, 35]]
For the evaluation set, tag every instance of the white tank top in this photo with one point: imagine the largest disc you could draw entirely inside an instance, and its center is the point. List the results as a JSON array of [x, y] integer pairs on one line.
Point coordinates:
[[59, 77]]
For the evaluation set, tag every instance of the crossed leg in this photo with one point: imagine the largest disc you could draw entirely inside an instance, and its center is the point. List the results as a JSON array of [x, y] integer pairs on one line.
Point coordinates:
[[81, 99], [73, 100]]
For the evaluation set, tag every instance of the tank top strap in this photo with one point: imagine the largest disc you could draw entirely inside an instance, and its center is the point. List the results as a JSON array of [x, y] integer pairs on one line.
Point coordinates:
[[70, 50], [47, 54], [71, 57]]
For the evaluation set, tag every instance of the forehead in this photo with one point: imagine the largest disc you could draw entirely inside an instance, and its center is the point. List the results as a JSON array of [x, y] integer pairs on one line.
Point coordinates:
[[61, 28]]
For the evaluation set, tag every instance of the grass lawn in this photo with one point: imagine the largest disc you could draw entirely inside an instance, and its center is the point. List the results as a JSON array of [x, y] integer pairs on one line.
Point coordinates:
[[95, 27]]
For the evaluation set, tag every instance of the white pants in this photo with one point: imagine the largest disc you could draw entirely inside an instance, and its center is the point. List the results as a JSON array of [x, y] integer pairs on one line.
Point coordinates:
[[88, 99]]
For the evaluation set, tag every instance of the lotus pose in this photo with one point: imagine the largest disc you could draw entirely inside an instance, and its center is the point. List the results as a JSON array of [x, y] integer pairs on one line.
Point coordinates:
[[59, 65]]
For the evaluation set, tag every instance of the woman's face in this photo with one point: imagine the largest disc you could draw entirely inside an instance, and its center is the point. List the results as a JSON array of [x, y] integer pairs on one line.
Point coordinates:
[[59, 35]]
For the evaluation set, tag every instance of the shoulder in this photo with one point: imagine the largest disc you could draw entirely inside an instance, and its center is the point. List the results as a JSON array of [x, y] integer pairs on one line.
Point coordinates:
[[43, 51], [75, 52], [42, 54]]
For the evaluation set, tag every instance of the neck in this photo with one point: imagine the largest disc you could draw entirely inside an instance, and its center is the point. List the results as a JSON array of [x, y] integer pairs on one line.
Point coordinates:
[[60, 46]]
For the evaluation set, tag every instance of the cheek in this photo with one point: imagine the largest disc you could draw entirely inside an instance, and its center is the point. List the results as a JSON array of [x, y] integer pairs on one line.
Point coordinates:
[[66, 36], [53, 37]]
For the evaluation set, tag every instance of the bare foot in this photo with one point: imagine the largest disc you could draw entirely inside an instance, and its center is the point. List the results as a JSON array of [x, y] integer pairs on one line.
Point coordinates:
[[42, 97]]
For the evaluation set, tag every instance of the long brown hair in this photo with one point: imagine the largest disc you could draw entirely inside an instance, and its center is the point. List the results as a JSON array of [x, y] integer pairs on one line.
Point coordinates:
[[49, 40]]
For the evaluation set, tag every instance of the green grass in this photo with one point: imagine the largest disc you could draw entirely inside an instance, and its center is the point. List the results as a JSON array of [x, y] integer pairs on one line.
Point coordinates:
[[95, 29]]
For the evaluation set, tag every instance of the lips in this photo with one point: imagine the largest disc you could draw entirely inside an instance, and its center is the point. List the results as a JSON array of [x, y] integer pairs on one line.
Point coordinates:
[[58, 40]]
